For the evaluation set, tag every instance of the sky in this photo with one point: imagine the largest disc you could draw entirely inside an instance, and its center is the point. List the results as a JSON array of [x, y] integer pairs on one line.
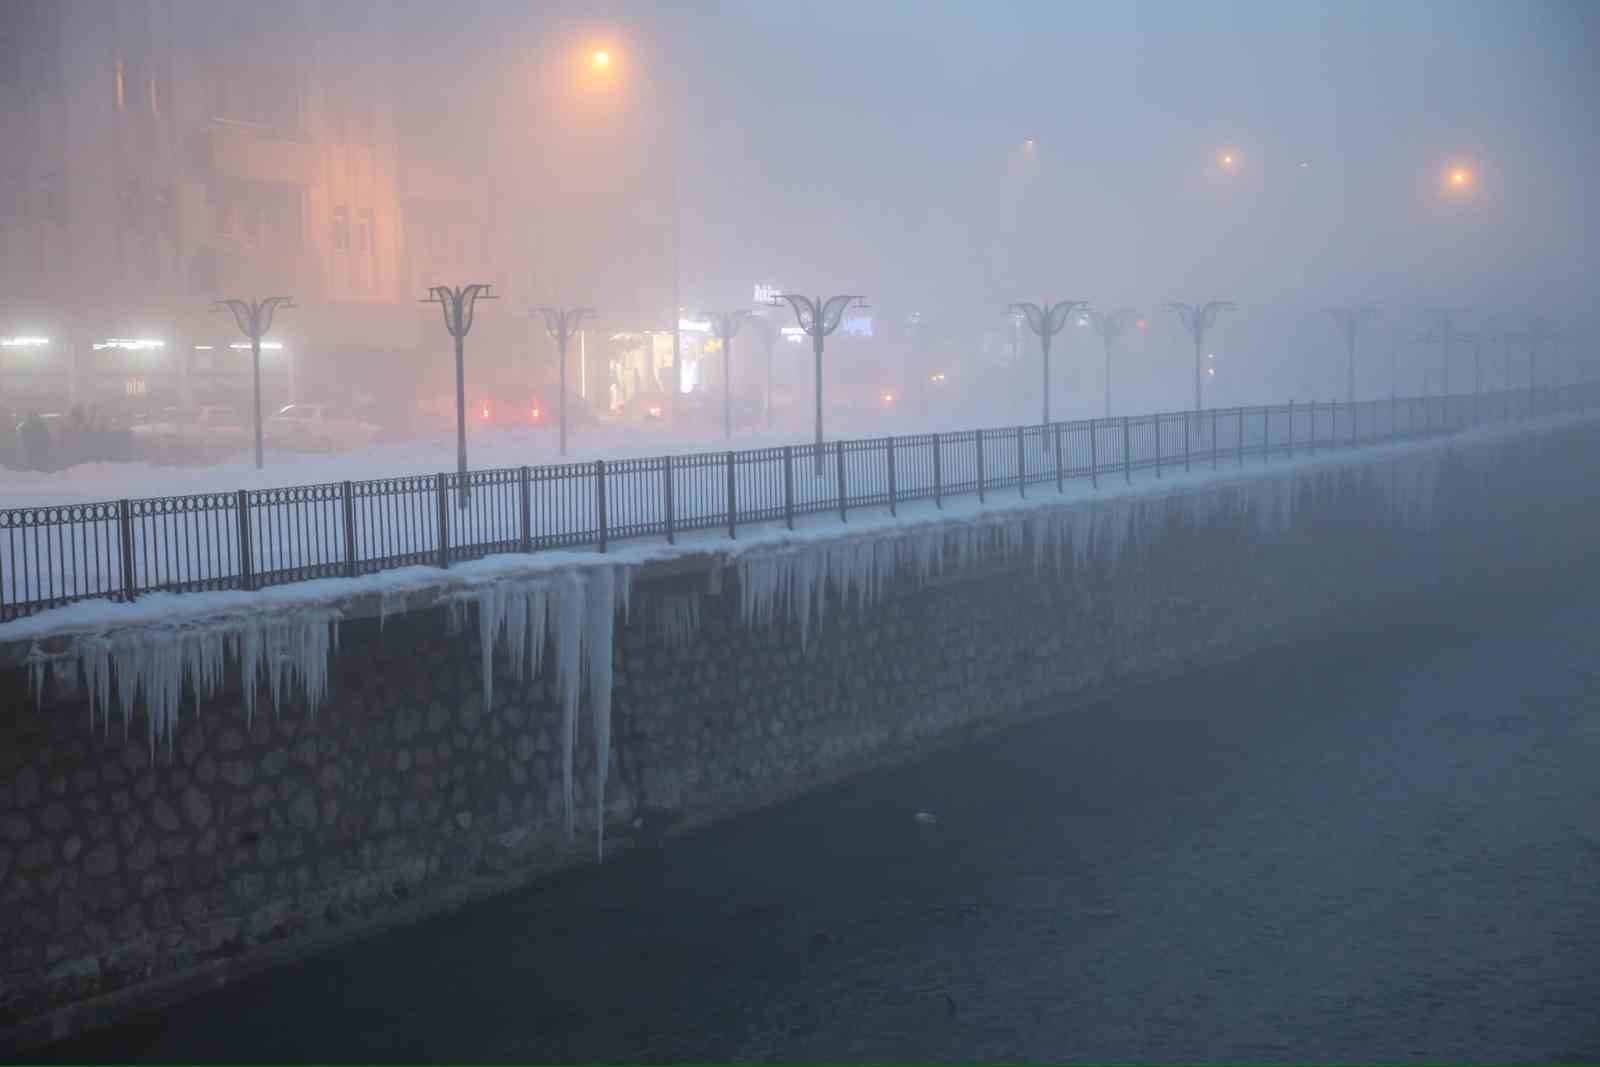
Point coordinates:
[[879, 147]]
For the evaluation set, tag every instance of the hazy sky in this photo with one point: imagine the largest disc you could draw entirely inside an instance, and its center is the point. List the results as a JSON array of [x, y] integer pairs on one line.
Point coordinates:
[[878, 147]]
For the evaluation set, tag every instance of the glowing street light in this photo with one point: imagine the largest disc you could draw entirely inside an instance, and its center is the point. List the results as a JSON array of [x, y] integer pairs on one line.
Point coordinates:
[[601, 58]]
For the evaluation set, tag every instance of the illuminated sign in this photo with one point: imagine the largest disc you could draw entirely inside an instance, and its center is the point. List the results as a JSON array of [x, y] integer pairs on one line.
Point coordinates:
[[767, 294]]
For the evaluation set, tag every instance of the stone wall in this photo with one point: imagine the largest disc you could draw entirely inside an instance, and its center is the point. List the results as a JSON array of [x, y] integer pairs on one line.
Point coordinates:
[[120, 870]]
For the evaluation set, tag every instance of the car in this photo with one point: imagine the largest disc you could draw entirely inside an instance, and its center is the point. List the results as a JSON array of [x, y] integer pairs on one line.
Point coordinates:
[[318, 427], [646, 406]]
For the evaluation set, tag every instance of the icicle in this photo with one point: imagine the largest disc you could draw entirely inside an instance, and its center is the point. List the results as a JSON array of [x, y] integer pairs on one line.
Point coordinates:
[[599, 629], [568, 647]]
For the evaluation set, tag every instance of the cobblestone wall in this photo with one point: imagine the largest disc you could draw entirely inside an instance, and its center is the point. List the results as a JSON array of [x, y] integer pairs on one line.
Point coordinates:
[[116, 867]]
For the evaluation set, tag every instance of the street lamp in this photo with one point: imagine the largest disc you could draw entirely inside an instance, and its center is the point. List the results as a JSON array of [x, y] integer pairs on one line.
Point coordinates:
[[726, 324], [1110, 325], [254, 318], [458, 306], [1444, 332], [561, 324], [1047, 320], [768, 332], [818, 318], [1197, 319], [1350, 319]]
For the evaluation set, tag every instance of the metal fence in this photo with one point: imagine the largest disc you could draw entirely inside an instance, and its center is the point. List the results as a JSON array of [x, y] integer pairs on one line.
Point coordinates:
[[250, 539]]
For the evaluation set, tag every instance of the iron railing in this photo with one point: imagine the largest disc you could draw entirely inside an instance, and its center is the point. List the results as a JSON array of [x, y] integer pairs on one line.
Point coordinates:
[[253, 538]]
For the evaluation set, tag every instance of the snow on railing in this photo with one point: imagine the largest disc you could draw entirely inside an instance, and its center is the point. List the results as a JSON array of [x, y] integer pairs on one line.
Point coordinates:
[[251, 539]]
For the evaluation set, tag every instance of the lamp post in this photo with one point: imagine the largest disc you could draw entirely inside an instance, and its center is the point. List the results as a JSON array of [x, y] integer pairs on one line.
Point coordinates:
[[254, 318], [1444, 333], [1109, 326], [818, 318], [458, 306], [561, 324], [768, 332], [1197, 319], [1350, 318], [1046, 320], [726, 324]]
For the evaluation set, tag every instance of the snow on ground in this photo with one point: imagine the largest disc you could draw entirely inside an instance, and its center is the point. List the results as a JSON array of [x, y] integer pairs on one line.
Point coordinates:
[[164, 645]]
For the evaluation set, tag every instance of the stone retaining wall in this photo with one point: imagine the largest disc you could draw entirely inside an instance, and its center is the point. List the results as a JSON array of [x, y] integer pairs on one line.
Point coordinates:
[[116, 870]]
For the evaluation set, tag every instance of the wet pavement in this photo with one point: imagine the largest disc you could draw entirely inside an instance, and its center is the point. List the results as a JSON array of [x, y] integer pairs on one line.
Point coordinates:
[[1384, 846]]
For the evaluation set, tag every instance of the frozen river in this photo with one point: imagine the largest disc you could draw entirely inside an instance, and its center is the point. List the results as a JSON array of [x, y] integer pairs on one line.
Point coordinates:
[[1384, 847]]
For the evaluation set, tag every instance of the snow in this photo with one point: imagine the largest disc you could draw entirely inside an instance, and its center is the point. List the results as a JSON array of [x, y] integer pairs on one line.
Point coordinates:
[[153, 649]]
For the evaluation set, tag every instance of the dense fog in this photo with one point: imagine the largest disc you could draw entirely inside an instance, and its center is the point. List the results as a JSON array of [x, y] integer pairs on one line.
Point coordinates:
[[658, 161]]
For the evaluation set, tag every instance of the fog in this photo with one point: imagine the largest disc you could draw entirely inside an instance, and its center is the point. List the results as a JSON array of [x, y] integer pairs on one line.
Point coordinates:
[[944, 162]]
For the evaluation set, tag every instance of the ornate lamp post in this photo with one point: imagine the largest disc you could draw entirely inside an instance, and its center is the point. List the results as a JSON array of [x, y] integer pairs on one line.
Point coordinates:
[[1046, 320], [768, 332], [254, 318], [1444, 333], [458, 306], [1350, 319], [726, 324], [1197, 319], [818, 318], [561, 324], [1109, 326]]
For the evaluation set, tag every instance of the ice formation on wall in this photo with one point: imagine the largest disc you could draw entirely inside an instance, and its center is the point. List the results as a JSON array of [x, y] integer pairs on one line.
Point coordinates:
[[793, 580], [153, 664], [576, 610]]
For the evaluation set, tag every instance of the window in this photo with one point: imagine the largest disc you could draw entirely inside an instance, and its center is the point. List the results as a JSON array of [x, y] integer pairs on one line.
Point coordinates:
[[364, 230], [122, 88], [341, 230]]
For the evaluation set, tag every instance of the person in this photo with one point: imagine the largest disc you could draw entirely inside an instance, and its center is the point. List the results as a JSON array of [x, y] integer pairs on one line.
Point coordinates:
[[33, 440]]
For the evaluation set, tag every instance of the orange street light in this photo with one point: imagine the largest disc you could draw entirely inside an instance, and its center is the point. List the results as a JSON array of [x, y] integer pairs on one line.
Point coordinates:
[[601, 58]]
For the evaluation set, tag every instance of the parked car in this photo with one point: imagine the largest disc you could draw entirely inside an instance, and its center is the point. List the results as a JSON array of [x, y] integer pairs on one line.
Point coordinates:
[[318, 427], [193, 432]]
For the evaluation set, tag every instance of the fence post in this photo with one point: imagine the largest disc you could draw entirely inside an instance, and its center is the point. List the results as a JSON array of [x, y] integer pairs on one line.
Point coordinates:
[[1291, 425], [733, 502], [1094, 461], [1238, 414], [1186, 444], [889, 445], [441, 498], [125, 537], [525, 507], [938, 471], [666, 498], [1216, 446], [1022, 466], [247, 563], [1266, 433], [977, 437], [347, 492], [1127, 453], [788, 486], [1056, 430], [839, 452], [600, 500]]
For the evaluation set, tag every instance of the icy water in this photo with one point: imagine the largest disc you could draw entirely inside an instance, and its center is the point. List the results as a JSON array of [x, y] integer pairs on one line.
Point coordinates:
[[1384, 847]]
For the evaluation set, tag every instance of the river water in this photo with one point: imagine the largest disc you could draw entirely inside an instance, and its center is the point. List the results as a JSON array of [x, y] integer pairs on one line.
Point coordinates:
[[1383, 846]]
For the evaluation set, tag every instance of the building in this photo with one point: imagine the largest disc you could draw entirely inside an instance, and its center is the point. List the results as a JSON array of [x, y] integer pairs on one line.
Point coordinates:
[[165, 154]]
